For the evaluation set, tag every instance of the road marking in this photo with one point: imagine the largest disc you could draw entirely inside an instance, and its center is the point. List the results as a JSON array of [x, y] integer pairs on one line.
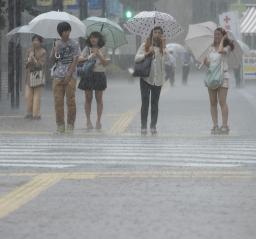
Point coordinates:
[[123, 122], [25, 193], [83, 175], [44, 152]]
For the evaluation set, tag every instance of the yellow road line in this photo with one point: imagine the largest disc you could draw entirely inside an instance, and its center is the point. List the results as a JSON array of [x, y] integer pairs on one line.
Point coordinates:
[[142, 174], [25, 193], [123, 122]]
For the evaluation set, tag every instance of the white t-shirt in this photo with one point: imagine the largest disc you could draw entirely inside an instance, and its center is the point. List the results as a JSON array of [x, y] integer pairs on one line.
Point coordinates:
[[215, 57]]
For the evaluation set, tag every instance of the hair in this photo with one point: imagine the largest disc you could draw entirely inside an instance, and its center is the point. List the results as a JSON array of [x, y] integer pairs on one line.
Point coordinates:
[[149, 41], [63, 27], [227, 41], [39, 38], [99, 36]]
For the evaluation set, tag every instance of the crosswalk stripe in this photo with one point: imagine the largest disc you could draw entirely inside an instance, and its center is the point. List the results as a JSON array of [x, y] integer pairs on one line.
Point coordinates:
[[66, 152]]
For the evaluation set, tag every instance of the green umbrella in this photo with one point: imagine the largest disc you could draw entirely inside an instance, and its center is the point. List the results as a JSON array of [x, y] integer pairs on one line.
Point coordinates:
[[113, 33]]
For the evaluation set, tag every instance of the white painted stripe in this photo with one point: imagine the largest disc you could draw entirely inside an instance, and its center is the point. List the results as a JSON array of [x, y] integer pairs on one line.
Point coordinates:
[[142, 155], [36, 165], [133, 145], [83, 160], [116, 163]]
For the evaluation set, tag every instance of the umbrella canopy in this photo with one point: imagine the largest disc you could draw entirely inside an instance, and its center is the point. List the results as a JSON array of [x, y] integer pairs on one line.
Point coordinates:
[[245, 47], [113, 33], [20, 35], [45, 24], [236, 56], [200, 38], [143, 23], [176, 48], [17, 30]]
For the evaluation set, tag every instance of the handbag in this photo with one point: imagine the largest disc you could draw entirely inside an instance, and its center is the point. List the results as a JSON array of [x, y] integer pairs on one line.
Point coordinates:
[[143, 68], [36, 78], [85, 71], [215, 76], [86, 68]]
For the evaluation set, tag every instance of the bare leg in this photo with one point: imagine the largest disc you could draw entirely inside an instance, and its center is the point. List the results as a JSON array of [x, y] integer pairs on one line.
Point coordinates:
[[213, 104], [88, 107], [99, 100], [222, 95]]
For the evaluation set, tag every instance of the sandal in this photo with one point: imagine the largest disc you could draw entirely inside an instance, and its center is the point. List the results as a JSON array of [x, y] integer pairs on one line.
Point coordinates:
[[215, 130], [224, 130]]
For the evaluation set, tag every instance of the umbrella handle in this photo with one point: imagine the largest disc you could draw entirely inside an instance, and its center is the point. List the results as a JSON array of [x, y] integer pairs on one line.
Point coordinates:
[[102, 27]]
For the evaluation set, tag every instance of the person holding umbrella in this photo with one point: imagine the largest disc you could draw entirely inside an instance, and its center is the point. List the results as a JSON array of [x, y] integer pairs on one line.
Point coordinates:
[[219, 53], [96, 81], [155, 27], [65, 53], [35, 77], [155, 47]]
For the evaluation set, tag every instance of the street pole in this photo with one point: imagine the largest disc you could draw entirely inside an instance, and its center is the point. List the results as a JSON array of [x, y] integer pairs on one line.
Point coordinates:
[[104, 8], [18, 55], [57, 5], [83, 6], [11, 63]]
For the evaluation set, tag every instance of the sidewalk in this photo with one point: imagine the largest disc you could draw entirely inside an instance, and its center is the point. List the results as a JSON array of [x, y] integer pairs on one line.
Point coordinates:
[[183, 111], [12, 120]]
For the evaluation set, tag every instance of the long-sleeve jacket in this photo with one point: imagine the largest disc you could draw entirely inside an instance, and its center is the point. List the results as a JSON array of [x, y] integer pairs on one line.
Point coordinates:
[[157, 73]]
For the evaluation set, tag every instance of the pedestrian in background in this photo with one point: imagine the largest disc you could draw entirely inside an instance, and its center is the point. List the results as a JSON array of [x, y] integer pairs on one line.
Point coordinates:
[[186, 63], [218, 54], [170, 67], [155, 47], [65, 53], [35, 77], [96, 81]]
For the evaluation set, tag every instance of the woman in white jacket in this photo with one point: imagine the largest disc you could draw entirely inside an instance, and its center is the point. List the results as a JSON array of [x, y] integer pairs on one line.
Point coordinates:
[[154, 46]]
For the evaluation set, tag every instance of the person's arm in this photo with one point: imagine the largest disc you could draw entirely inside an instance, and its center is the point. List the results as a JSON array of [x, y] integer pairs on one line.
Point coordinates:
[[206, 62], [223, 50], [141, 54], [104, 60], [84, 55], [40, 63], [72, 66]]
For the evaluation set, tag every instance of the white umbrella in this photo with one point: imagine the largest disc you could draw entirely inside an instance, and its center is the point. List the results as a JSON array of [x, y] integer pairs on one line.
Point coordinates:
[[245, 47], [143, 23], [20, 35], [45, 24], [176, 48], [236, 56], [17, 30], [200, 38]]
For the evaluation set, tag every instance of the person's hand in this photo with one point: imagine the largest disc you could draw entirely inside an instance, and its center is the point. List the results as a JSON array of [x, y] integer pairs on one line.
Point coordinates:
[[164, 41], [151, 51], [206, 62], [224, 37], [67, 77]]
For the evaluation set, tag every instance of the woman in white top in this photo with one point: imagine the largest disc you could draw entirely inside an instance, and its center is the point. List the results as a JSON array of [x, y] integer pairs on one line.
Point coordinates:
[[97, 80], [154, 46], [221, 48]]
